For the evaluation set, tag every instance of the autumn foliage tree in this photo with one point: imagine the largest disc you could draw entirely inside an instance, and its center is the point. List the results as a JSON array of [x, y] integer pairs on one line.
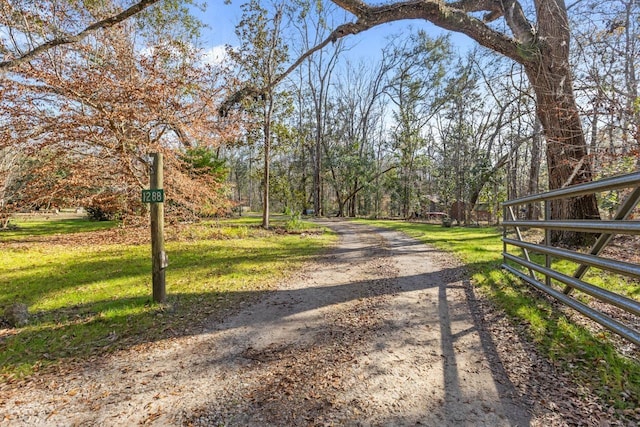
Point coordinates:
[[92, 112]]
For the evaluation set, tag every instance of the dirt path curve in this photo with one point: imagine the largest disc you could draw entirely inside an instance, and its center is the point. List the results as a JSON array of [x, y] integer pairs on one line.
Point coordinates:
[[381, 331]]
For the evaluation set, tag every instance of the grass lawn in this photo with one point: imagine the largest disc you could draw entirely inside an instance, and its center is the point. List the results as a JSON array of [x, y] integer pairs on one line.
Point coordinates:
[[88, 288], [88, 284], [592, 360], [30, 227]]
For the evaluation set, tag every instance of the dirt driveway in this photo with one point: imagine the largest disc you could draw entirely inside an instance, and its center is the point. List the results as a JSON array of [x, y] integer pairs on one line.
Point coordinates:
[[381, 331]]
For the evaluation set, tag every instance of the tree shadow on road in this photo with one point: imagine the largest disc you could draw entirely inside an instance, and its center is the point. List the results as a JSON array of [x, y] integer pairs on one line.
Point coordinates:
[[302, 403], [247, 327]]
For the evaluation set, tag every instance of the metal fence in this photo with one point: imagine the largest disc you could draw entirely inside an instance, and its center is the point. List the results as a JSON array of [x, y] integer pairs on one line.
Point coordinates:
[[552, 281]]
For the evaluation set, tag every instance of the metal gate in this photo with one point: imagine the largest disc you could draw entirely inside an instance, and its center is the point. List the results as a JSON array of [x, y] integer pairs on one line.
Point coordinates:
[[552, 281]]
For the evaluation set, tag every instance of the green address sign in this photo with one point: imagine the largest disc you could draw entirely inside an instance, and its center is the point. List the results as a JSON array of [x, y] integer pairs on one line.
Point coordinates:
[[153, 196]]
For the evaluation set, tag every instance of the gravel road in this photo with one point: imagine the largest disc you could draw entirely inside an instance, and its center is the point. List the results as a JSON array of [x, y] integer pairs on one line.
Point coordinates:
[[382, 330]]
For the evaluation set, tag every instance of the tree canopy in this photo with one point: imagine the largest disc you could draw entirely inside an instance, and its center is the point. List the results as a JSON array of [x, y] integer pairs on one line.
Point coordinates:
[[88, 95]]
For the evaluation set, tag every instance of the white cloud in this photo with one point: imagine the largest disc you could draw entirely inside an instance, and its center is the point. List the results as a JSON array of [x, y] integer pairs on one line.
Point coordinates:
[[215, 56]]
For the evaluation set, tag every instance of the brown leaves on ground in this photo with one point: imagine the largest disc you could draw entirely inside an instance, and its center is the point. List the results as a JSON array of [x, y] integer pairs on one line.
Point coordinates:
[[139, 234], [130, 235], [543, 384], [303, 384]]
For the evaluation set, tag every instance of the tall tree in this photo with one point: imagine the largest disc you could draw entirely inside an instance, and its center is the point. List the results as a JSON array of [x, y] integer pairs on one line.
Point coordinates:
[[261, 56], [457, 126], [608, 63], [507, 113], [357, 110], [313, 27], [415, 89], [539, 40]]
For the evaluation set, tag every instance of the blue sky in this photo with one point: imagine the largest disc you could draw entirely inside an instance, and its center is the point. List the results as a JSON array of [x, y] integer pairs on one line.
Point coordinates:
[[222, 19]]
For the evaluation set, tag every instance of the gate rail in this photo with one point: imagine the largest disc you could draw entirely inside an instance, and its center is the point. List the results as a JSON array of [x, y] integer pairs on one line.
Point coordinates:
[[606, 229]]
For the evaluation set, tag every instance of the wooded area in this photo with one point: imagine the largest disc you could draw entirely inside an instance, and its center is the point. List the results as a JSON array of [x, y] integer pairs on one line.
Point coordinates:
[[426, 128]]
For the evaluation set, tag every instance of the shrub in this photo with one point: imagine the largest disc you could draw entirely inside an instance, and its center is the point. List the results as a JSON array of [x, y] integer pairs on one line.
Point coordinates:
[[107, 207]]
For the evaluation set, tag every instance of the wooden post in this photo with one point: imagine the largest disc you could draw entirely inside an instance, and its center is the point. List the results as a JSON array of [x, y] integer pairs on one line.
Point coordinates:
[[159, 258]]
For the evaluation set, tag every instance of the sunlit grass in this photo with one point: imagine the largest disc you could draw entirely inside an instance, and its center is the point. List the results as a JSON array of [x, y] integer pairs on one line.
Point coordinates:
[[592, 360], [30, 227], [93, 297]]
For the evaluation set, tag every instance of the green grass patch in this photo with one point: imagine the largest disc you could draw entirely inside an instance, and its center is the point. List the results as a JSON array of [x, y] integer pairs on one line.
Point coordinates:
[[88, 298], [593, 361], [24, 227]]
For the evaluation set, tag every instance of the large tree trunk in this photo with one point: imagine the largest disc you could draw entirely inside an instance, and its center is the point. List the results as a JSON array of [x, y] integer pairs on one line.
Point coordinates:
[[567, 160], [567, 156]]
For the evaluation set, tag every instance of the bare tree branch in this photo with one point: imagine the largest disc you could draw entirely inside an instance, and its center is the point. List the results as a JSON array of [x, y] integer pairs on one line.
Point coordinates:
[[253, 91], [341, 31], [369, 181], [451, 16], [68, 39]]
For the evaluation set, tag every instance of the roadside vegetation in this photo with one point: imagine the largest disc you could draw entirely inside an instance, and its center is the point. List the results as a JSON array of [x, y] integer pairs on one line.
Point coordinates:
[[88, 284], [591, 357]]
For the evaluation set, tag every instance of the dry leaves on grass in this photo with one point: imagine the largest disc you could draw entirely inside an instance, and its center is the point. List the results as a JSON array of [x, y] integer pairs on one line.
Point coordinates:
[[119, 235]]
